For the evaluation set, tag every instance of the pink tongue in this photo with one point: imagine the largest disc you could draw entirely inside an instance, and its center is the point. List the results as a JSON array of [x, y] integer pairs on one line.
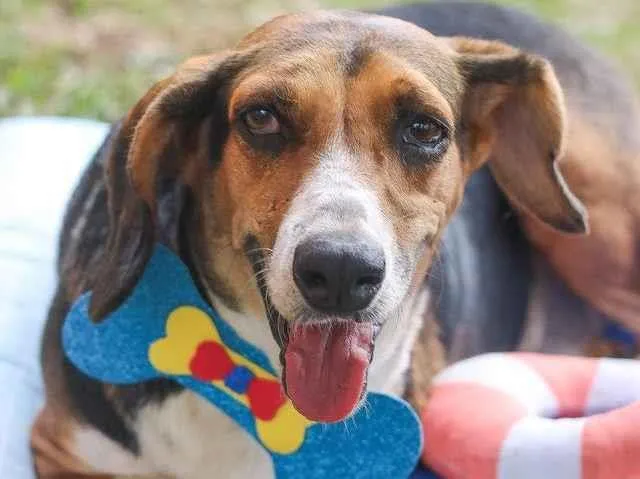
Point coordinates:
[[326, 368]]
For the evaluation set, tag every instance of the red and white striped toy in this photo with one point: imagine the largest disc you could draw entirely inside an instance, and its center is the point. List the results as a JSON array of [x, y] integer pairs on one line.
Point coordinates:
[[531, 416]]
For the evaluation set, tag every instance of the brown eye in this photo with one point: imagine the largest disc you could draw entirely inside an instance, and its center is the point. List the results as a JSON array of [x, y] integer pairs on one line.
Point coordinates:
[[424, 133], [422, 139], [261, 121]]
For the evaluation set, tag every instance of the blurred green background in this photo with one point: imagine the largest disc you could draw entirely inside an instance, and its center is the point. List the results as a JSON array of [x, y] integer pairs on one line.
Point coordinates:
[[94, 58]]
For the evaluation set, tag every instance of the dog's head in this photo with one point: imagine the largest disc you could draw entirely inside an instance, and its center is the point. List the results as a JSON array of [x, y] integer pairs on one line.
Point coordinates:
[[307, 175]]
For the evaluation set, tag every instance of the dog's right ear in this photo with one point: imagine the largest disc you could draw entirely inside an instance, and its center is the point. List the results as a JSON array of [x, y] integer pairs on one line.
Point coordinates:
[[151, 166], [514, 118]]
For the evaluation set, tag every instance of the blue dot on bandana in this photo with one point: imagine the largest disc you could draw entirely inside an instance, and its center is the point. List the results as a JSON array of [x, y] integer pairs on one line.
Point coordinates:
[[239, 379]]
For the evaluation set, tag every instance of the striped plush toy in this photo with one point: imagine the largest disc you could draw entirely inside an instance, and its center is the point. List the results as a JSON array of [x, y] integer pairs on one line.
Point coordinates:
[[529, 416]]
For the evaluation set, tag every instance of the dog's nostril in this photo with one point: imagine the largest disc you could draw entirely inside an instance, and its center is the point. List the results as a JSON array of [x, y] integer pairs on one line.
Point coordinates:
[[315, 280], [338, 273], [369, 281]]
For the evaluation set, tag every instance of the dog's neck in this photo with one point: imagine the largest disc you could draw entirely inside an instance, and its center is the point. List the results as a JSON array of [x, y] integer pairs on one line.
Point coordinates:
[[389, 369]]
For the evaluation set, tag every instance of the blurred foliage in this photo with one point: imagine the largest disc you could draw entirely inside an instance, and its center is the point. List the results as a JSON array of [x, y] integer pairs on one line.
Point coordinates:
[[94, 58]]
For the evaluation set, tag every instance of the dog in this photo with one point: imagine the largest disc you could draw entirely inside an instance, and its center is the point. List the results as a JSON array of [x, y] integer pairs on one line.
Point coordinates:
[[313, 169]]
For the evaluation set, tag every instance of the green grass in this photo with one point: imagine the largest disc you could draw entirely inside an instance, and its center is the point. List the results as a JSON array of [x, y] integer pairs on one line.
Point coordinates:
[[94, 58]]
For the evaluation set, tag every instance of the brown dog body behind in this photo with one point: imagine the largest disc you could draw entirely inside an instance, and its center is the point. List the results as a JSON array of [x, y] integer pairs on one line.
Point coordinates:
[[322, 158]]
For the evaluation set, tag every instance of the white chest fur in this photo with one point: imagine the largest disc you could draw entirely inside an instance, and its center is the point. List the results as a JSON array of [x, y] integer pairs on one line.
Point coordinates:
[[186, 438], [183, 437]]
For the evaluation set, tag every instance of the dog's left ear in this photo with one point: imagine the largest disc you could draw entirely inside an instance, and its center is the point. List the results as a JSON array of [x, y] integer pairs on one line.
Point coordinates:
[[172, 122], [513, 116], [155, 158]]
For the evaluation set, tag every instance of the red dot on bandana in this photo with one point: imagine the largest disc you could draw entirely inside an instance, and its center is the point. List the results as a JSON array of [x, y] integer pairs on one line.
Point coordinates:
[[265, 398], [211, 362]]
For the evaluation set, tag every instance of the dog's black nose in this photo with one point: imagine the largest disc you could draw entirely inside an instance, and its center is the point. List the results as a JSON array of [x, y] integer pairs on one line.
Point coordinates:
[[338, 273]]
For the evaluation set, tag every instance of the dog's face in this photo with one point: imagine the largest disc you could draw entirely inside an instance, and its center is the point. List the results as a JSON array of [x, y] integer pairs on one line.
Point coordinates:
[[322, 160]]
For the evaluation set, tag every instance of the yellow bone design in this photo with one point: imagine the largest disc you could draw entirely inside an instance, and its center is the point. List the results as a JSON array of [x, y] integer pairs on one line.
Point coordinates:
[[187, 327]]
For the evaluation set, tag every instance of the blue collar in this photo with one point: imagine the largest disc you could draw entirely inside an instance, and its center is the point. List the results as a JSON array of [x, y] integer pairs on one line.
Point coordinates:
[[623, 340]]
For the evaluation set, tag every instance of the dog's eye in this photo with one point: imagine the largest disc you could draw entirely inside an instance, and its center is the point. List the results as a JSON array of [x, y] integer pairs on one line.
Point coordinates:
[[422, 139], [261, 121], [424, 134]]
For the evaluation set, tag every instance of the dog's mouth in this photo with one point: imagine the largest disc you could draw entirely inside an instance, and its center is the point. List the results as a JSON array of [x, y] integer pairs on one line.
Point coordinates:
[[325, 368], [325, 364]]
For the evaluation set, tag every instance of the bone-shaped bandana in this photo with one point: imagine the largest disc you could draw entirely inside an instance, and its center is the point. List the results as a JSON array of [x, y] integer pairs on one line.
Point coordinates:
[[165, 329], [193, 347]]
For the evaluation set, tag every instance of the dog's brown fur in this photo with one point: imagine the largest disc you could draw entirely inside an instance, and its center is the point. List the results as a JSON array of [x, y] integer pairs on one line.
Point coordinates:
[[179, 170], [604, 267]]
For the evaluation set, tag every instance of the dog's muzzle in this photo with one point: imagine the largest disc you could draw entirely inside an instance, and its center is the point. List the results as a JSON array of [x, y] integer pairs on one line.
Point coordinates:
[[325, 362]]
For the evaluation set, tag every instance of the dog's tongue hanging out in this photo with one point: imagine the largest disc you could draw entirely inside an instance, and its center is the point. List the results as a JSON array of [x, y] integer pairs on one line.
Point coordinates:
[[326, 368]]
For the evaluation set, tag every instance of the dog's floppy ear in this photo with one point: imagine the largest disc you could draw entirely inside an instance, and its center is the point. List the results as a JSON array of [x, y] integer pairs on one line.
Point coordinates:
[[513, 116], [150, 168]]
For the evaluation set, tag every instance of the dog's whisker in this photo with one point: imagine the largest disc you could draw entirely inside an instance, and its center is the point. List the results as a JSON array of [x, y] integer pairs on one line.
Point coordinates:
[[280, 326], [258, 276], [269, 251], [437, 260], [345, 424]]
